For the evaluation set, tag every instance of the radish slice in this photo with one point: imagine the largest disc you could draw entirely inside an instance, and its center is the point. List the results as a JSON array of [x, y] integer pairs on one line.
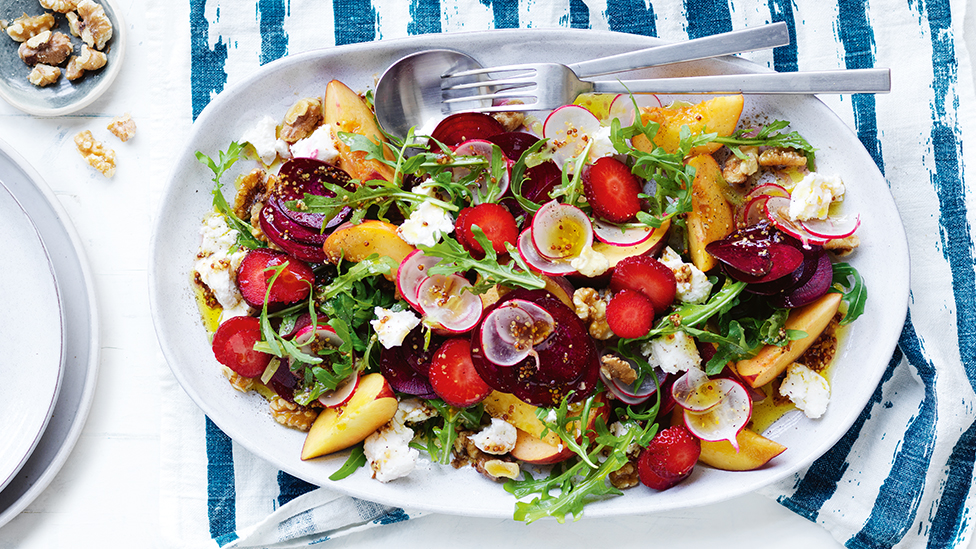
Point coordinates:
[[561, 231], [724, 421], [482, 148], [615, 236], [627, 392], [567, 129], [777, 209], [622, 106], [535, 260], [448, 301], [755, 211], [695, 392], [768, 189], [342, 393], [511, 332], [306, 336], [412, 272], [835, 226]]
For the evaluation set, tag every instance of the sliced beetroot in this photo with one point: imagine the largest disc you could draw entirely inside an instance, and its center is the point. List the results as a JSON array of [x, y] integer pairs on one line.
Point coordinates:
[[797, 278], [292, 285], [282, 230], [460, 127], [284, 382], [568, 360], [783, 259], [418, 352], [748, 251], [513, 144], [300, 176], [403, 377], [816, 286]]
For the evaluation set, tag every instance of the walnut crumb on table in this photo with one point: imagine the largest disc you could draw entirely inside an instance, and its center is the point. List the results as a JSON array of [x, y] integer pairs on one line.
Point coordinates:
[[98, 155], [123, 127]]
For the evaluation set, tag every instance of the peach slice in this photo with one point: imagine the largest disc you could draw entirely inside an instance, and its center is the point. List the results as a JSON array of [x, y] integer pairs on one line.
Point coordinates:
[[532, 449], [357, 242], [371, 406], [346, 111], [755, 451], [711, 217], [772, 360], [719, 115], [520, 414]]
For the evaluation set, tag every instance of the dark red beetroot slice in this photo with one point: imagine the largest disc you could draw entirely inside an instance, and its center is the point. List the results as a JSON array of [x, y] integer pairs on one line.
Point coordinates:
[[807, 293], [513, 144], [747, 250], [292, 285], [568, 359], [414, 352], [784, 259], [402, 376], [281, 230], [284, 382], [464, 126], [300, 176], [800, 276]]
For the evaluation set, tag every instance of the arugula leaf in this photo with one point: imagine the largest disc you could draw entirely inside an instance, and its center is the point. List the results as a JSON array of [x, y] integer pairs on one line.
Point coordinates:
[[227, 159], [356, 459], [455, 259], [848, 282], [518, 173], [769, 136], [440, 439], [570, 426]]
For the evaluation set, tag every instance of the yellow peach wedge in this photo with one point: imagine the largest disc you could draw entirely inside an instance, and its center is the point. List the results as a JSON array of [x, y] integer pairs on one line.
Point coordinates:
[[711, 217], [755, 451], [371, 406], [356, 242], [347, 112], [719, 115]]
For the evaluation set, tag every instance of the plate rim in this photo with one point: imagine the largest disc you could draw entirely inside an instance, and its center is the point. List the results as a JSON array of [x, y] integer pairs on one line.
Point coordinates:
[[72, 271], [404, 46]]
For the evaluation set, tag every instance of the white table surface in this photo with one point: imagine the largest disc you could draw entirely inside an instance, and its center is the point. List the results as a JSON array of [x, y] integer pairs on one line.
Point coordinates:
[[107, 494]]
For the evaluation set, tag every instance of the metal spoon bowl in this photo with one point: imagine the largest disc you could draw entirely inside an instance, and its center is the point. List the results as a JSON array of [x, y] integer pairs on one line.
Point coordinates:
[[409, 95]]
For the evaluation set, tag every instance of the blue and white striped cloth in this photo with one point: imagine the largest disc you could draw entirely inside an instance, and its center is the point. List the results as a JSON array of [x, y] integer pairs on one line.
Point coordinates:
[[902, 476]]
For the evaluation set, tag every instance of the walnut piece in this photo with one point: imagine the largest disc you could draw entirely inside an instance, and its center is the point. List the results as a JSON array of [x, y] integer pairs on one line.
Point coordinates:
[[90, 24], [25, 27], [301, 119], [591, 306], [510, 120], [44, 75], [122, 127], [737, 170], [89, 60], [843, 246], [60, 6], [782, 156], [98, 155], [615, 367], [49, 48], [292, 415], [625, 477]]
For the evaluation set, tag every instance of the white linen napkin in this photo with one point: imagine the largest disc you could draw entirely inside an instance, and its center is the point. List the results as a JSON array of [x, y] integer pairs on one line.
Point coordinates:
[[902, 476]]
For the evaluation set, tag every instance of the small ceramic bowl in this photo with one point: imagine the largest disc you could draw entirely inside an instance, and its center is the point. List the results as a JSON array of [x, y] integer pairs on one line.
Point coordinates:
[[64, 96]]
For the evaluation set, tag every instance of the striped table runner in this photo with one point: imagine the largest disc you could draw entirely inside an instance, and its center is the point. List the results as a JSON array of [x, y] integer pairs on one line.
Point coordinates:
[[903, 474]]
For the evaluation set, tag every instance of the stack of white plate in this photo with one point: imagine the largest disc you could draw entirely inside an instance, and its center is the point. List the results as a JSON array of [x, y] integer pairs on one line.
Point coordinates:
[[48, 335]]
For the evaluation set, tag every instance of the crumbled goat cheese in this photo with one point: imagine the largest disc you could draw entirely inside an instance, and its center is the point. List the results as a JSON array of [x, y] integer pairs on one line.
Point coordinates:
[[217, 266], [391, 327], [672, 353], [812, 196], [263, 136], [388, 453], [693, 284], [602, 146], [497, 438], [320, 145], [807, 389], [426, 225], [413, 410], [590, 262]]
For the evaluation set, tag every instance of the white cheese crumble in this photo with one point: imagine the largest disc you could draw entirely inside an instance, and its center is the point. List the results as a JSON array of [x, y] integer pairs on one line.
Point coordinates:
[[263, 136], [618, 430], [388, 453], [812, 196], [590, 262], [413, 410], [217, 266], [601, 144], [319, 145], [693, 284], [426, 225], [497, 438], [808, 390], [392, 327], [672, 353]]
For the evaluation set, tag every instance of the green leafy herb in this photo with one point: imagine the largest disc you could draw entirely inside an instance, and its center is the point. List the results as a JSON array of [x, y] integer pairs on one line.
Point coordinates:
[[848, 282], [455, 259], [227, 159], [570, 425], [356, 459], [440, 438], [769, 136]]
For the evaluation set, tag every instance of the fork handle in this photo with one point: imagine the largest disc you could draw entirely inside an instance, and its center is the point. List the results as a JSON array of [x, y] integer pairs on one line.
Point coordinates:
[[717, 45], [784, 83]]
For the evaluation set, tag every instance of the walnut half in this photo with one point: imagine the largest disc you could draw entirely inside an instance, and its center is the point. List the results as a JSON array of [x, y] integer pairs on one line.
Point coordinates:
[[44, 75], [98, 155], [89, 60], [90, 24], [49, 48], [25, 27]]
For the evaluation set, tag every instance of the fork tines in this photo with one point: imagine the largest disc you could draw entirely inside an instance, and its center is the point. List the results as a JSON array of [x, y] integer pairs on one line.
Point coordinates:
[[521, 85]]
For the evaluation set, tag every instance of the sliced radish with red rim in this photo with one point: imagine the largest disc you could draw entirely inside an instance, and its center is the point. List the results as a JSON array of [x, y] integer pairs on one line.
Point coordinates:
[[724, 420], [342, 393], [534, 259], [568, 129], [616, 235], [777, 210], [510, 332], [448, 301], [485, 184], [835, 226], [413, 270], [622, 106], [561, 231]]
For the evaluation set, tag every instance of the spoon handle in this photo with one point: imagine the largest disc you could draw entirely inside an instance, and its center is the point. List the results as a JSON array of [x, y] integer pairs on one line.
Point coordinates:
[[781, 83], [717, 45]]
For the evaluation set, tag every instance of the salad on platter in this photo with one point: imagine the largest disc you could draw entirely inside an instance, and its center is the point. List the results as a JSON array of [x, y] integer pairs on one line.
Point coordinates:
[[574, 303]]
